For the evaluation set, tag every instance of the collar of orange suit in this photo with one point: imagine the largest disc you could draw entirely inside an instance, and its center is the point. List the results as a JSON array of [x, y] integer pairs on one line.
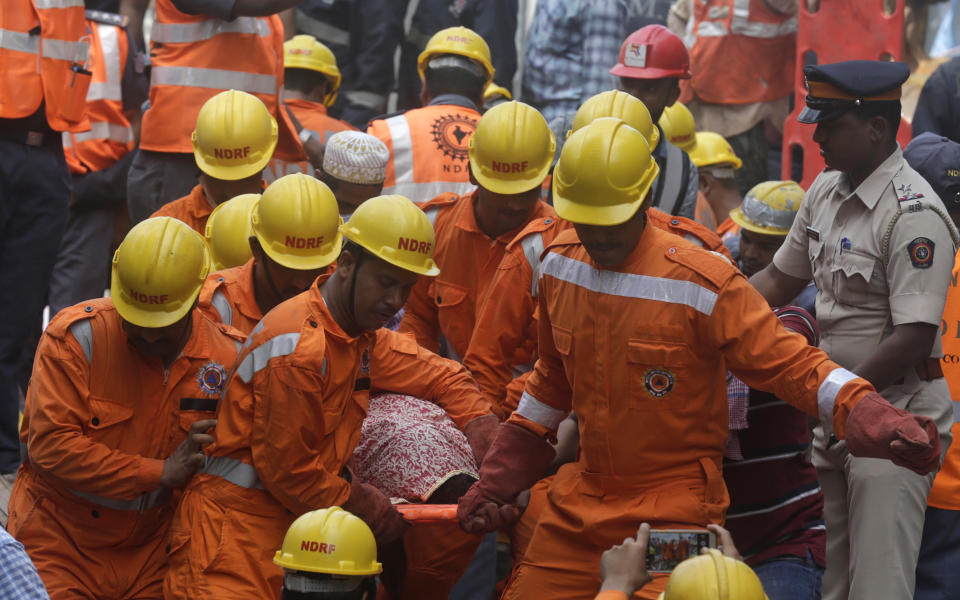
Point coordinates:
[[467, 218], [320, 308], [827, 91]]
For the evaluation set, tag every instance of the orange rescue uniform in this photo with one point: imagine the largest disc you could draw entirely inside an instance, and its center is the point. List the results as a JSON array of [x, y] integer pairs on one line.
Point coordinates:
[[100, 419], [428, 150], [193, 209], [945, 493], [728, 229], [312, 116], [228, 296], [445, 307], [506, 324], [287, 426], [640, 354]]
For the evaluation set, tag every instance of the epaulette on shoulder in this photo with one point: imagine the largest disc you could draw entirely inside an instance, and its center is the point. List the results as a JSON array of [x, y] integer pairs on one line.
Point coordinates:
[[107, 18], [61, 323], [712, 266], [538, 225], [568, 237]]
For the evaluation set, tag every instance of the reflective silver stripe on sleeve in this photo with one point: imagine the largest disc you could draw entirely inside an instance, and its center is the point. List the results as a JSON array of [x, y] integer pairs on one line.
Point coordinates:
[[235, 471], [140, 504], [321, 30], [670, 196], [532, 248], [402, 151], [110, 88], [538, 412], [101, 130], [711, 29], [432, 215], [742, 25], [83, 332], [257, 359], [223, 308], [369, 99], [47, 4], [185, 33], [423, 192], [956, 412], [64, 50], [628, 285], [827, 395], [218, 79], [19, 41]]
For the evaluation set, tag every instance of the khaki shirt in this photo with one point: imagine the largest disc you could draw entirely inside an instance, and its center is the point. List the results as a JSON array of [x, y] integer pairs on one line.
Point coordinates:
[[836, 241]]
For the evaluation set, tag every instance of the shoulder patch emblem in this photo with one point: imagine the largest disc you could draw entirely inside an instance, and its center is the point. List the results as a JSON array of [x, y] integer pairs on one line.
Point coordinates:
[[921, 252], [211, 378], [658, 382]]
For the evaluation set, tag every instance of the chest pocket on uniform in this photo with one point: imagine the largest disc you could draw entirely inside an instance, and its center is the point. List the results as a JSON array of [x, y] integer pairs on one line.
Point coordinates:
[[656, 369], [104, 417], [453, 314], [852, 278], [814, 250], [563, 341]]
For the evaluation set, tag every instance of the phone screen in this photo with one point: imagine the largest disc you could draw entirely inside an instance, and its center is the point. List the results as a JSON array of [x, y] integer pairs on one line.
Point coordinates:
[[668, 548]]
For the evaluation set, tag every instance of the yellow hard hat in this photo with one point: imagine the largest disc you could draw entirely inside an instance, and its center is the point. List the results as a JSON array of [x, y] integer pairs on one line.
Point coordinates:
[[713, 150], [496, 90], [769, 207], [297, 222], [235, 136], [329, 540], [305, 52], [511, 149], [158, 271], [678, 126], [457, 40], [394, 229], [620, 105], [713, 576], [604, 173], [228, 232]]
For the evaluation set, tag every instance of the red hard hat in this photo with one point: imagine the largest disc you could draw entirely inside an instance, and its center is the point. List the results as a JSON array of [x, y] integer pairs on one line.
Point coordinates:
[[653, 52]]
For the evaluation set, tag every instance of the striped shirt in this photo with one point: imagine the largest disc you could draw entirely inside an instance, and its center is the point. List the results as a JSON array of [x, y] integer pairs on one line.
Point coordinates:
[[776, 505]]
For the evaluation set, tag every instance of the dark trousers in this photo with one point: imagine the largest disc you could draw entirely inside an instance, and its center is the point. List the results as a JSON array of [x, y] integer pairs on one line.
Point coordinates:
[[938, 568], [34, 194], [157, 178]]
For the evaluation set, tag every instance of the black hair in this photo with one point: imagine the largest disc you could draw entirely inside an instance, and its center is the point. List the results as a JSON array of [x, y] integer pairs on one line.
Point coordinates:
[[358, 252], [303, 80], [889, 111], [368, 587], [454, 80]]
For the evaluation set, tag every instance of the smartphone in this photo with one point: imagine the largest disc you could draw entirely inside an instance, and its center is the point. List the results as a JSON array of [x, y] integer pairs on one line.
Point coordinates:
[[668, 548]]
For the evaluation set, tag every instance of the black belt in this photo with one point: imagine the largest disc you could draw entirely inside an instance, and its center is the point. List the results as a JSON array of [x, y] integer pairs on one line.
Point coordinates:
[[39, 139]]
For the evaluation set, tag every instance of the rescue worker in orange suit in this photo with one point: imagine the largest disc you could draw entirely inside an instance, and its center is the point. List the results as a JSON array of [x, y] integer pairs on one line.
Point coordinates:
[[99, 160], [429, 145], [233, 141], [122, 392], [636, 328], [300, 207], [319, 346], [311, 81], [199, 48], [937, 159], [506, 319], [43, 88], [652, 62], [510, 154]]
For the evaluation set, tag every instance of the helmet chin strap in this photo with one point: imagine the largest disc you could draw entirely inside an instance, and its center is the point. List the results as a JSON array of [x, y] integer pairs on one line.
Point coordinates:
[[266, 271]]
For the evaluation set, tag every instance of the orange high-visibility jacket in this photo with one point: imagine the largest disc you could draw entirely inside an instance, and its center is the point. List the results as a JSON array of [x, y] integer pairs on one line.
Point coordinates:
[[313, 117], [193, 209], [227, 296], [946, 487], [195, 57], [42, 49], [446, 306], [743, 52], [640, 354], [110, 137], [287, 425], [100, 420], [428, 150], [507, 318]]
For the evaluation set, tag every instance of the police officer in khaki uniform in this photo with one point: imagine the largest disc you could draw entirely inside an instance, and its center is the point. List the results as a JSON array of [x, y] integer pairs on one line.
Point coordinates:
[[875, 238]]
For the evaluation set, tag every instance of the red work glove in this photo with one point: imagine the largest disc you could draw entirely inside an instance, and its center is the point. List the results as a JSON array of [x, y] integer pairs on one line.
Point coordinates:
[[877, 429], [516, 460], [369, 503], [480, 433]]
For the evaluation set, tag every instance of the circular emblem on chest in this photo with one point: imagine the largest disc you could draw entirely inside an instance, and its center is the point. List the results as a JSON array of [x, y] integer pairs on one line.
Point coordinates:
[[451, 133], [211, 378], [658, 382]]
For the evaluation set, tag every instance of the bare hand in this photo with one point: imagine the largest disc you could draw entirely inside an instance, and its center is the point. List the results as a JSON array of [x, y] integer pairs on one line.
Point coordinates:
[[180, 466], [624, 567], [725, 541]]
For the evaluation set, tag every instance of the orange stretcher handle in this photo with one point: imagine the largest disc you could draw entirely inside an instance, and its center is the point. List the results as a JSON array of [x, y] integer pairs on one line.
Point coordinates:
[[428, 513]]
